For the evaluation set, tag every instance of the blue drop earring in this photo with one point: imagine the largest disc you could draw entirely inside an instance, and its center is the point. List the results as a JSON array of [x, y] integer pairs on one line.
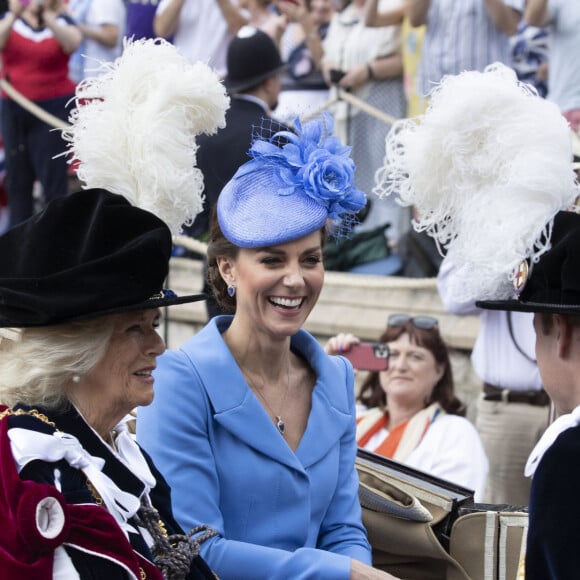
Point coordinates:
[[231, 290]]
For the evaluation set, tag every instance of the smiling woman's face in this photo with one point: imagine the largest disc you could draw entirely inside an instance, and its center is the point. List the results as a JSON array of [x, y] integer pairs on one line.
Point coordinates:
[[412, 374], [276, 287], [122, 380]]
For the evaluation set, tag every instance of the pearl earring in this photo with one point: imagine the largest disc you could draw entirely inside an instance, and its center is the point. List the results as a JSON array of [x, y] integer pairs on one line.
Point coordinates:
[[76, 378], [231, 290]]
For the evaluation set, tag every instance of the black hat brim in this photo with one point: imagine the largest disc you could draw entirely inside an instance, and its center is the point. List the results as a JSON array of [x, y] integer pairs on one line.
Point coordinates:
[[518, 306], [552, 284], [236, 86], [86, 255], [146, 305]]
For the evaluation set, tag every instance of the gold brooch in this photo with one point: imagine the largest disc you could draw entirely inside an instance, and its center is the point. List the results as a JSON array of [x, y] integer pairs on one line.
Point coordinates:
[[521, 277]]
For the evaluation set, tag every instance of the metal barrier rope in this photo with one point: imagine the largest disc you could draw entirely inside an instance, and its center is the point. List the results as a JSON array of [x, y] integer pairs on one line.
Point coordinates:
[[185, 241], [32, 107], [343, 95]]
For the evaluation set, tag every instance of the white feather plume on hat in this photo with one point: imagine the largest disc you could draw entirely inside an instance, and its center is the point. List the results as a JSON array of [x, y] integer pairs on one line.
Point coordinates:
[[487, 167], [134, 127]]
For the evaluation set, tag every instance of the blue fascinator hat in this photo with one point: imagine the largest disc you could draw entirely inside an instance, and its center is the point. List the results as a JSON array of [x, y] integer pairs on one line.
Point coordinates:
[[293, 184]]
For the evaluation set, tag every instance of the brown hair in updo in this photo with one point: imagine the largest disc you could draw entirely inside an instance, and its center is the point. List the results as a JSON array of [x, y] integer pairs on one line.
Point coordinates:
[[219, 246]]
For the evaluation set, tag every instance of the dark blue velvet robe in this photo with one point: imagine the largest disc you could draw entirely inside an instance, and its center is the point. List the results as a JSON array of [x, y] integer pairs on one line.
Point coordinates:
[[553, 547]]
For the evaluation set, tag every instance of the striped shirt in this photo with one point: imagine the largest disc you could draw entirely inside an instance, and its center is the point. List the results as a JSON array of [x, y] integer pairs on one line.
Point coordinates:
[[460, 36]]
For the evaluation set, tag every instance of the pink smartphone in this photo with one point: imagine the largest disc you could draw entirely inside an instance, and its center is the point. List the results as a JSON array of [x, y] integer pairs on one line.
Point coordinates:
[[368, 356]]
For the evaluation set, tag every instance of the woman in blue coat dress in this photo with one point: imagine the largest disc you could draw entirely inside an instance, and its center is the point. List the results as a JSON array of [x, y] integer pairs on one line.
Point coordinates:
[[253, 424]]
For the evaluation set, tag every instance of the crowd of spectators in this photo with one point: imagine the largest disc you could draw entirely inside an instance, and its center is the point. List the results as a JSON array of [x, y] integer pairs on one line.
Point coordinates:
[[407, 47]]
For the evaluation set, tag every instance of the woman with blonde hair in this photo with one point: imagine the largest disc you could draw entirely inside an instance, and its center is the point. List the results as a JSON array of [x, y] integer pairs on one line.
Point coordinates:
[[81, 288]]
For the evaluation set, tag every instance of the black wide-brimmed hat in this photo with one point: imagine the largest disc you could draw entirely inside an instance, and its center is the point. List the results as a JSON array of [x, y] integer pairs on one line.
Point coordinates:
[[252, 58], [85, 255], [553, 283]]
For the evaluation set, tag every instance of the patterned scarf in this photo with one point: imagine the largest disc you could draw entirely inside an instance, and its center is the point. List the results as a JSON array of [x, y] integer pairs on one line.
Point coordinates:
[[404, 438]]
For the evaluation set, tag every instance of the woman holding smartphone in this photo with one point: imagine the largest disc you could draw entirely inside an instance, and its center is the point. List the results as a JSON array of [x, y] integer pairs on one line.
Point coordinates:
[[409, 412]]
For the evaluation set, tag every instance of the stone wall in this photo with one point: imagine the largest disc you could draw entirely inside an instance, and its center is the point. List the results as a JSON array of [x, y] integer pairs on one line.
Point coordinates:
[[349, 302]]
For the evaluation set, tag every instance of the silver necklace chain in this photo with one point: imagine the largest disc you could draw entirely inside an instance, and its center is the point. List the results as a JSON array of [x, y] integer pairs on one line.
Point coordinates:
[[278, 421]]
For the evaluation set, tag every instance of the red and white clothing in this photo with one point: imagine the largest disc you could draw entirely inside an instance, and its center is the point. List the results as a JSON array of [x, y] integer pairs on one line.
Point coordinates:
[[36, 66], [34, 62], [70, 502], [446, 446]]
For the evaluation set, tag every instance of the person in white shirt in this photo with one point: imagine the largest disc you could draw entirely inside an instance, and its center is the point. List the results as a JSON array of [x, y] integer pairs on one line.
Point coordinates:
[[200, 29], [513, 409], [563, 21], [102, 23], [466, 35]]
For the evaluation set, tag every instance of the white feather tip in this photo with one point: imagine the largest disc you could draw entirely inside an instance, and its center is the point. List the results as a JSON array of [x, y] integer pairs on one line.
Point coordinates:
[[487, 167], [134, 128]]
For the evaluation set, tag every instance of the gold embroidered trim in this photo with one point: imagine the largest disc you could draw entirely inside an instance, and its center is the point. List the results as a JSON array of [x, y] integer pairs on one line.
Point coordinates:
[[96, 495], [34, 412]]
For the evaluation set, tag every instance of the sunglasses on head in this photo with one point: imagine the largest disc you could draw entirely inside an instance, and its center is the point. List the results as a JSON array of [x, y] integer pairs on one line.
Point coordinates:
[[421, 322]]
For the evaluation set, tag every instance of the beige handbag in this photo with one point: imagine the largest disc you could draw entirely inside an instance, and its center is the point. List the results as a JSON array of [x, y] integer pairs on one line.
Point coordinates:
[[490, 543], [424, 528]]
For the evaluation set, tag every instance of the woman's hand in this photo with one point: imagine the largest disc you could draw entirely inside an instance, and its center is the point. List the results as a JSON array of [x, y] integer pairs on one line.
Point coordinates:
[[17, 7], [68, 36], [15, 10], [360, 571], [355, 77], [295, 10], [340, 343]]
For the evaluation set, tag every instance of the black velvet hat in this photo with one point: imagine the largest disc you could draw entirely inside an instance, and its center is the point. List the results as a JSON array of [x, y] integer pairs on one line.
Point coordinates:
[[252, 58], [85, 255], [553, 283]]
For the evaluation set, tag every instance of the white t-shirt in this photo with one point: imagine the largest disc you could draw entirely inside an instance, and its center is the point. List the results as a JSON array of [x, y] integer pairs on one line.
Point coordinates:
[[202, 33], [564, 84], [103, 12]]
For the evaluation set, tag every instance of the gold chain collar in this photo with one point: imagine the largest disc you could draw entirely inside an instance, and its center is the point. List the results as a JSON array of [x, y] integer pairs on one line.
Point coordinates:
[[33, 412]]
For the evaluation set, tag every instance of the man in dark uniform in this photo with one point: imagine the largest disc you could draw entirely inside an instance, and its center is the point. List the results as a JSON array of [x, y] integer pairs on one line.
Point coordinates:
[[551, 290]]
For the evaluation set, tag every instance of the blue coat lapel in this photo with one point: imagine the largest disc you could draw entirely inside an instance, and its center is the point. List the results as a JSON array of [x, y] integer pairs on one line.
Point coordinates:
[[238, 410]]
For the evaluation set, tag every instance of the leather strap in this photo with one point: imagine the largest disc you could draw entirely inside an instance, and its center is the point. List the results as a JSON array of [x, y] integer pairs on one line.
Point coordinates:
[[536, 398]]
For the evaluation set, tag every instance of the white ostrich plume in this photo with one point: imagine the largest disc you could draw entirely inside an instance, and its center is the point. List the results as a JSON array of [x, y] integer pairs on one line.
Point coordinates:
[[134, 128], [487, 167]]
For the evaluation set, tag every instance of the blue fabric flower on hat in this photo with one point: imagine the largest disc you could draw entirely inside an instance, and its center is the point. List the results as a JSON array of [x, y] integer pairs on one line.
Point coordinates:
[[312, 162]]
